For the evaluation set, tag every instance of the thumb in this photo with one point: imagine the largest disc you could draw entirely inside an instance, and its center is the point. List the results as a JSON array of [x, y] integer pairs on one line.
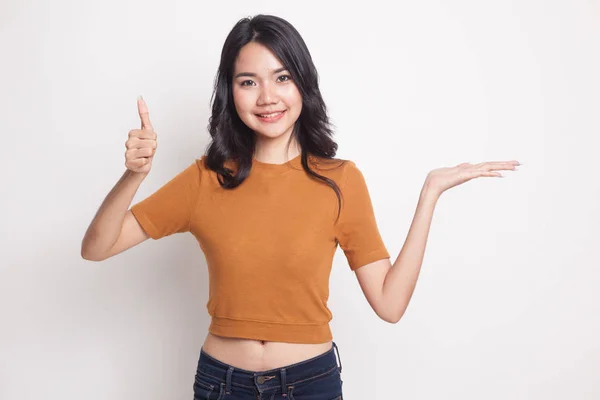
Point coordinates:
[[144, 115]]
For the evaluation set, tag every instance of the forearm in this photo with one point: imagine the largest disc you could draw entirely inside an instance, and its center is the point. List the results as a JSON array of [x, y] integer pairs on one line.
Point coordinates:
[[401, 278], [105, 228]]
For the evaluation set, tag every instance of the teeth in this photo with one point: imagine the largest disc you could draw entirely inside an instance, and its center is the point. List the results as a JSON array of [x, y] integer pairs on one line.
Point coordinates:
[[269, 115]]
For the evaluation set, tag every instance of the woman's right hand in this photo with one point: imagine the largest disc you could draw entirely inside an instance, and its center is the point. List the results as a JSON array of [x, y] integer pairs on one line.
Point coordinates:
[[141, 143]]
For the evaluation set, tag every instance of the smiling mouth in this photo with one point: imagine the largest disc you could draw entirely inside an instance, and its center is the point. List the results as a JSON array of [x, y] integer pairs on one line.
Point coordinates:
[[275, 114]]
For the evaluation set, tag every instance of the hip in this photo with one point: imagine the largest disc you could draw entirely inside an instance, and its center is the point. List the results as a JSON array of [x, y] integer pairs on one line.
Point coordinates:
[[316, 378]]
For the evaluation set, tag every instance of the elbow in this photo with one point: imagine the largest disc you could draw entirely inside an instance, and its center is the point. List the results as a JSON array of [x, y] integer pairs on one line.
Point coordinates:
[[391, 317], [86, 254], [393, 320], [88, 257]]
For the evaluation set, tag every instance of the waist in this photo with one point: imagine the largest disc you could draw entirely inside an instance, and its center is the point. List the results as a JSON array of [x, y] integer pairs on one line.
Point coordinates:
[[260, 355], [309, 368]]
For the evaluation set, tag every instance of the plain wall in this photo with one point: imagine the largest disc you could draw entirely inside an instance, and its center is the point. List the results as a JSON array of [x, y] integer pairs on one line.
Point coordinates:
[[507, 302]]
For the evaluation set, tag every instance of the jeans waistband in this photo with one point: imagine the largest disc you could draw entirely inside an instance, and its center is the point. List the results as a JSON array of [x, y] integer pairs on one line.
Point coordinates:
[[277, 377]]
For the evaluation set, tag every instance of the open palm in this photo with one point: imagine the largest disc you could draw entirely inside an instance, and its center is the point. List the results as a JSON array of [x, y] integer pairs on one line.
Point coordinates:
[[442, 179]]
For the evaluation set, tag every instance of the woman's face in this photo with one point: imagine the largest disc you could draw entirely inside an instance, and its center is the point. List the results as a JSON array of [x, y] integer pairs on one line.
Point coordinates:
[[261, 86]]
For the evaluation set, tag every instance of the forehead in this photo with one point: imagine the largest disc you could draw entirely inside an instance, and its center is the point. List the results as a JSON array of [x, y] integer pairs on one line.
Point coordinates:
[[255, 57]]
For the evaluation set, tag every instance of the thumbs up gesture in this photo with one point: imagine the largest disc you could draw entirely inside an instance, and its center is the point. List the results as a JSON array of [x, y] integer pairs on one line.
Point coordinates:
[[141, 143]]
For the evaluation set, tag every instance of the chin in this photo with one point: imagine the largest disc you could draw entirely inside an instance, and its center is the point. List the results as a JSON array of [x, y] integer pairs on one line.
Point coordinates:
[[270, 134]]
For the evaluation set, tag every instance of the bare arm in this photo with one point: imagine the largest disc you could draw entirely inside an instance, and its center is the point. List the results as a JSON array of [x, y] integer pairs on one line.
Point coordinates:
[[400, 281], [114, 228], [389, 287]]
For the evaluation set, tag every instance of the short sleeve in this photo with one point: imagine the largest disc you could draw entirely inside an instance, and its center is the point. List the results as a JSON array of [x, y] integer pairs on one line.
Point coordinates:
[[168, 210], [356, 230]]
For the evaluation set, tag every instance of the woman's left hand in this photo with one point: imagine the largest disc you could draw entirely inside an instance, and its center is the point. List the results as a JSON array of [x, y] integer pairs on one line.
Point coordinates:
[[441, 179]]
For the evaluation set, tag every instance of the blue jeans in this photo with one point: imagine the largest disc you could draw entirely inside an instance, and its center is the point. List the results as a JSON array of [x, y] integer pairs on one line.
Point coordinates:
[[318, 378]]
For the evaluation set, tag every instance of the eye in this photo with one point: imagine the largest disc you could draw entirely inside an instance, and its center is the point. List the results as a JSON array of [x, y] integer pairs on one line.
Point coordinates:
[[288, 78], [243, 83]]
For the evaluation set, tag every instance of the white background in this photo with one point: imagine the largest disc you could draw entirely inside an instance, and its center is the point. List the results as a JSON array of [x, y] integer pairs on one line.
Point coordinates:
[[507, 304]]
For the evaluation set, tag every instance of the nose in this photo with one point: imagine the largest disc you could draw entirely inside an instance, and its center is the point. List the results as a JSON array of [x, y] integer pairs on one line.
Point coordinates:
[[267, 95]]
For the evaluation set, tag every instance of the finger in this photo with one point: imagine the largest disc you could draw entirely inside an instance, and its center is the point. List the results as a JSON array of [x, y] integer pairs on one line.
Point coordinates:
[[147, 135], [147, 143], [140, 162], [494, 163], [493, 174], [141, 138], [491, 166], [144, 115], [506, 167], [143, 152]]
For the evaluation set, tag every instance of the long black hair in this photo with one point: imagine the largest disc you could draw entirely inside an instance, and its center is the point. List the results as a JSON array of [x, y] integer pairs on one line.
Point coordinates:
[[232, 140]]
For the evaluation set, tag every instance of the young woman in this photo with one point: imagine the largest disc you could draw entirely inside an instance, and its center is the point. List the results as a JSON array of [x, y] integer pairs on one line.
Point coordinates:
[[269, 204]]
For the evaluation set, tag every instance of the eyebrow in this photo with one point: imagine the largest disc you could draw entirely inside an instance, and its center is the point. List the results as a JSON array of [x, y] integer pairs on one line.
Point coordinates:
[[275, 71]]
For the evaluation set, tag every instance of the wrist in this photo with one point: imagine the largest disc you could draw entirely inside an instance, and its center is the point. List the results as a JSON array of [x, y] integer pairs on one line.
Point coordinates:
[[430, 193], [138, 176]]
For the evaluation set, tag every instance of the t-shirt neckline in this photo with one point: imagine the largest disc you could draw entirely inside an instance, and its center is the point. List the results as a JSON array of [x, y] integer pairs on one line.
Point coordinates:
[[291, 163]]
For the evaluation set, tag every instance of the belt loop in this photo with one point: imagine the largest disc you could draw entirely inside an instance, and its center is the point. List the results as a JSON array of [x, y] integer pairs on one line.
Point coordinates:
[[228, 380], [338, 355], [283, 385]]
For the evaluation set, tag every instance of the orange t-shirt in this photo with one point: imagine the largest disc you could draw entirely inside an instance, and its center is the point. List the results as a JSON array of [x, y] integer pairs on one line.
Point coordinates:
[[270, 242]]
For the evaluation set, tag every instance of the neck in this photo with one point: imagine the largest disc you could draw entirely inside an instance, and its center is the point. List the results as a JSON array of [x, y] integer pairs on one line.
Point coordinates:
[[276, 151]]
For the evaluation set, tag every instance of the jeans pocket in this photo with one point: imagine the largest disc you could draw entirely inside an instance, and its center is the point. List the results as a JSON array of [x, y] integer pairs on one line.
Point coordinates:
[[207, 388], [326, 386]]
